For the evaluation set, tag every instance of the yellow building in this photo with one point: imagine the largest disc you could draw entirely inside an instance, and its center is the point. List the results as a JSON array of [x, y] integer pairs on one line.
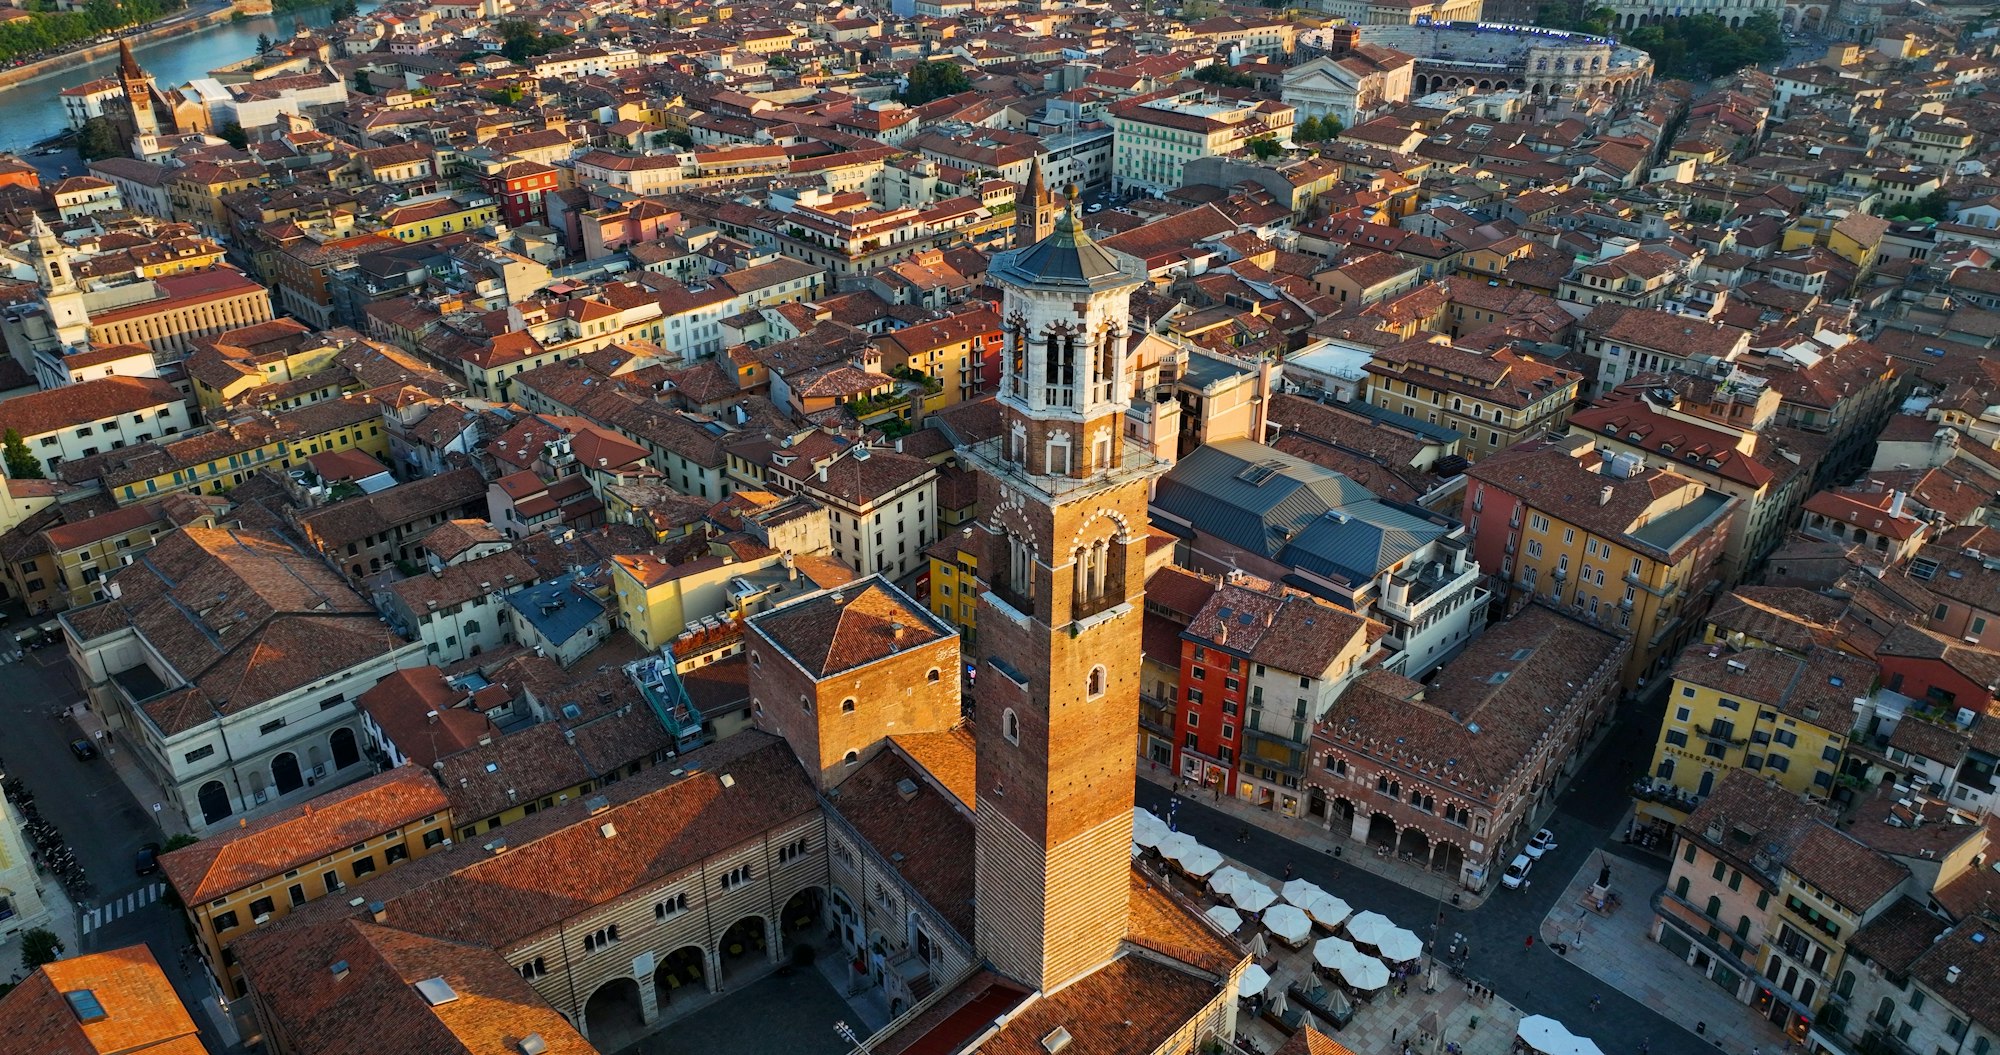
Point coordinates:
[[242, 878], [86, 550], [226, 370], [1781, 716], [1495, 400], [955, 584], [226, 455], [658, 602], [176, 256], [1632, 548], [436, 215]]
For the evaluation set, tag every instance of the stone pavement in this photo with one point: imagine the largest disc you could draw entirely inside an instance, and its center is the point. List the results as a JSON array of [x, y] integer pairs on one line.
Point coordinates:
[[1479, 1024], [165, 808], [779, 1014], [1306, 831], [1619, 951]]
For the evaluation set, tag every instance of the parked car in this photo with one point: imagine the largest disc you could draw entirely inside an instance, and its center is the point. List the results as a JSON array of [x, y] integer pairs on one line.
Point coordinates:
[[1543, 842], [1516, 875], [83, 749], [148, 860]]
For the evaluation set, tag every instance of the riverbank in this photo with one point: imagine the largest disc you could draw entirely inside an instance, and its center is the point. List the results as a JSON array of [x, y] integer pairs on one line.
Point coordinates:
[[182, 24]]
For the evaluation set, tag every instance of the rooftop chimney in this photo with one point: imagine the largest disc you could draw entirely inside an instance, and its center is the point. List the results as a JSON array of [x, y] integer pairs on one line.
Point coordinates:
[[1604, 495], [1896, 504]]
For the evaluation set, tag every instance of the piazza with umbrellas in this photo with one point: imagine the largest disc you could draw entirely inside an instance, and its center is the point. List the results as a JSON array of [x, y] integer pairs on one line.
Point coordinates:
[[1342, 969]]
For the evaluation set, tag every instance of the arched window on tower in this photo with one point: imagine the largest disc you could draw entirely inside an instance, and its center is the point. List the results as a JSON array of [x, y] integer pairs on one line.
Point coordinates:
[[1096, 684], [1061, 388], [1017, 358], [1107, 365], [1020, 568], [1093, 564]]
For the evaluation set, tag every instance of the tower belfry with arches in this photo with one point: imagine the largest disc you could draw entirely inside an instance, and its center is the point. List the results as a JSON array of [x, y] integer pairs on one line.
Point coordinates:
[[1058, 682]]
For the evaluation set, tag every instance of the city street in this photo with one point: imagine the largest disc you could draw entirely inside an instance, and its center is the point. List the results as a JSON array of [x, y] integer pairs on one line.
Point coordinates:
[[1537, 980], [98, 818]]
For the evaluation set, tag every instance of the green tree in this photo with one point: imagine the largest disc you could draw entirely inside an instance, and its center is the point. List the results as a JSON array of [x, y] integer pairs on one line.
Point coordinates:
[[1217, 73], [520, 40], [934, 80], [234, 135], [363, 83], [1265, 147], [38, 947], [264, 43], [1308, 131], [21, 462], [178, 842]]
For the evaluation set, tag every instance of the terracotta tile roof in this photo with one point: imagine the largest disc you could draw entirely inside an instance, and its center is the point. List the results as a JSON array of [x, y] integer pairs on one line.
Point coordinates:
[[1844, 869], [454, 537], [1310, 1041], [848, 627], [1180, 591], [357, 518], [1787, 617], [141, 1009], [947, 756], [401, 705], [1895, 939], [928, 836], [84, 403], [1131, 1004], [1485, 709], [375, 996], [1819, 688], [668, 818], [241, 614], [1162, 921], [238, 857], [457, 583]]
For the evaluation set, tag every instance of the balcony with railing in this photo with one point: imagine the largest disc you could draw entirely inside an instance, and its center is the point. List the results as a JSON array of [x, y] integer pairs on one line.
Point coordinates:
[[1720, 733], [989, 456], [1156, 715]]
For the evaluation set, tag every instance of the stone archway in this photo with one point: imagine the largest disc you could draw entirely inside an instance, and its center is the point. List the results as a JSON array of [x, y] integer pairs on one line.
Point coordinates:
[[743, 948], [1414, 843], [346, 751], [1447, 857], [682, 974], [214, 800], [1381, 830], [1343, 815], [803, 911], [615, 1015], [285, 774]]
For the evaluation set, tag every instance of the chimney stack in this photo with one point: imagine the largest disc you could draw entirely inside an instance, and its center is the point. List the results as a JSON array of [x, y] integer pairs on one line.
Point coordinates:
[[1604, 495]]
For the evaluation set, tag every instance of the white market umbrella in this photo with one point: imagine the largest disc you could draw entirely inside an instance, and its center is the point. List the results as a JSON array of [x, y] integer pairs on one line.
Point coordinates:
[[1226, 879], [1328, 911], [1225, 917], [1302, 893], [1255, 980], [1365, 973], [1147, 830], [1200, 861], [1545, 1034], [1278, 1004], [1259, 948], [1330, 953], [1400, 946], [1288, 923], [1367, 928], [1252, 896], [1584, 1046], [1174, 845]]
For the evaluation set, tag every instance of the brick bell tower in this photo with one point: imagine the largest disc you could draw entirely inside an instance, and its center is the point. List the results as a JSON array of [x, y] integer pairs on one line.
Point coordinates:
[[1059, 629], [1034, 209]]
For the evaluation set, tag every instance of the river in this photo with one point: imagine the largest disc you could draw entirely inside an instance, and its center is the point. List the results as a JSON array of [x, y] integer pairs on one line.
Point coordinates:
[[34, 110]]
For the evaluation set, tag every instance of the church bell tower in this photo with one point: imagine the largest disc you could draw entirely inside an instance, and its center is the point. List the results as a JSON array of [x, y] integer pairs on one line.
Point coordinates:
[[138, 92], [1034, 209], [1059, 627]]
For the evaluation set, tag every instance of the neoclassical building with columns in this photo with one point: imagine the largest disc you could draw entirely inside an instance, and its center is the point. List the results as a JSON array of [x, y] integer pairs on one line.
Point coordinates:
[[1453, 775]]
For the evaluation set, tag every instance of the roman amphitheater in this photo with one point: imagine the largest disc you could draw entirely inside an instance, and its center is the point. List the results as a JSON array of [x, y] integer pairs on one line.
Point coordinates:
[[1491, 56]]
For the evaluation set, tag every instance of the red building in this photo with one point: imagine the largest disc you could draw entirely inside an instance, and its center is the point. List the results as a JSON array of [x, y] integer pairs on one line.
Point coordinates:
[[520, 188], [1938, 671]]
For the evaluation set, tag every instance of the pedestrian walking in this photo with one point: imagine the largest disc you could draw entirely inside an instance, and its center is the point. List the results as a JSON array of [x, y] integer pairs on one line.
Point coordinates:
[[1529, 944], [1594, 1001], [1289, 871]]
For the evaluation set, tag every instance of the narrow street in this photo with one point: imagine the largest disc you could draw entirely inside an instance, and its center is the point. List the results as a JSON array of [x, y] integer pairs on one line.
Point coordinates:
[[1537, 980], [103, 825]]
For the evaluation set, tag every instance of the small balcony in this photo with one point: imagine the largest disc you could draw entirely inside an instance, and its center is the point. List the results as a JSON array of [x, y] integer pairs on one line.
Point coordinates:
[[1719, 734]]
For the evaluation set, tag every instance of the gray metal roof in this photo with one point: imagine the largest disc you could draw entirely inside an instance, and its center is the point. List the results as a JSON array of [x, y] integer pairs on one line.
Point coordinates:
[[1291, 511], [1067, 257]]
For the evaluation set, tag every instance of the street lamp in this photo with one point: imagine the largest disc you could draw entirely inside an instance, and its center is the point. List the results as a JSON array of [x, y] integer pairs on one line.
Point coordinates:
[[846, 1032]]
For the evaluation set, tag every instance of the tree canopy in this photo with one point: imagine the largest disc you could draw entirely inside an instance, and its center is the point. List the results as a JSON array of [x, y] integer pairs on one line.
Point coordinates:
[[934, 80], [21, 462], [98, 138], [1704, 47], [50, 30], [1217, 73], [520, 40]]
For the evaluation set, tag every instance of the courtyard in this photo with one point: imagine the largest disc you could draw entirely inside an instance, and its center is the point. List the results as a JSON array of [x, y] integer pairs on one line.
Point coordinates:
[[783, 1013]]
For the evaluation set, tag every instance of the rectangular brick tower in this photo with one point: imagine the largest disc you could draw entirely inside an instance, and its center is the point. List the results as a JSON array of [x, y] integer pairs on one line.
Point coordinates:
[[1059, 629]]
